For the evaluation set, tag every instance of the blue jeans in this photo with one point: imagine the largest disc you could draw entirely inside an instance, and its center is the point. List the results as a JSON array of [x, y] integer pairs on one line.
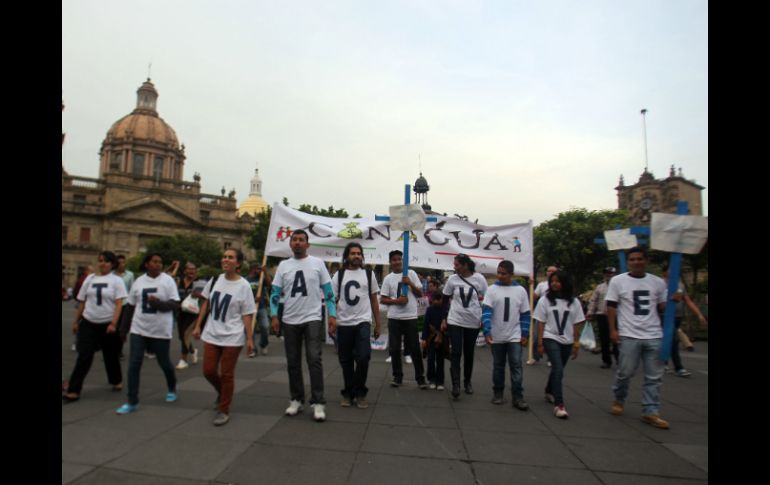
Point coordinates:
[[264, 329], [355, 351], [158, 346], [632, 351], [558, 355], [510, 351]]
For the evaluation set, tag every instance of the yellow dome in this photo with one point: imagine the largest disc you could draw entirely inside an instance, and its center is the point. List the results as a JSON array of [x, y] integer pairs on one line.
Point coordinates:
[[253, 205]]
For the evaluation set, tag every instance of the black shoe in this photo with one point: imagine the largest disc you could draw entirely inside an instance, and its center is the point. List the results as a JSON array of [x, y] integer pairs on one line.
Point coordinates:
[[456, 391], [606, 366], [468, 388], [395, 382], [520, 404], [498, 398], [422, 385]]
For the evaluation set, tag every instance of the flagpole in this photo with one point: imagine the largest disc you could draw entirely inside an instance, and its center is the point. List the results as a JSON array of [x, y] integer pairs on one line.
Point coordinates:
[[259, 288], [532, 312]]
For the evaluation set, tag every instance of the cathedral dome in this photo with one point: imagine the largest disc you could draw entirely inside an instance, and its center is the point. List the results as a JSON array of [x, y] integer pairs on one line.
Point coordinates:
[[144, 124], [143, 127]]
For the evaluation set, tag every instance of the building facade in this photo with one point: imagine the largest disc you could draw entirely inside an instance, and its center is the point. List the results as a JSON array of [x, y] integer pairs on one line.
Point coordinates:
[[141, 195], [650, 195]]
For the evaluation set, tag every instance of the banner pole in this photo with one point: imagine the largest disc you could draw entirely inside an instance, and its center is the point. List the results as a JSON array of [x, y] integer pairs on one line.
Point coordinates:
[[531, 312]]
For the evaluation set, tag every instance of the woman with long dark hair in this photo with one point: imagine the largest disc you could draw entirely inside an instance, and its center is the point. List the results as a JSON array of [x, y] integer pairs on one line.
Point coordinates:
[[232, 310], [466, 289], [558, 315]]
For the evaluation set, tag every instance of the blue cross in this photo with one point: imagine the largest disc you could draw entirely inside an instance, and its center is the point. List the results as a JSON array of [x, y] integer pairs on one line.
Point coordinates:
[[406, 235], [635, 230]]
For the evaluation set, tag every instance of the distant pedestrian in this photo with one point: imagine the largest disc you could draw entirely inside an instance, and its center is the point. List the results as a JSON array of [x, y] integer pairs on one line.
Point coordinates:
[[597, 309]]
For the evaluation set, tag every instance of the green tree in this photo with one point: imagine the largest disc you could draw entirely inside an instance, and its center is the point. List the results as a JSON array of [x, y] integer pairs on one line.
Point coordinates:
[[258, 237], [567, 241], [183, 248]]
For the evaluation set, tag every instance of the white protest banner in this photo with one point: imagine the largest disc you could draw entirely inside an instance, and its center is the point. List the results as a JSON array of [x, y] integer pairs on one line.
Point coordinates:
[[678, 234], [620, 239], [433, 247]]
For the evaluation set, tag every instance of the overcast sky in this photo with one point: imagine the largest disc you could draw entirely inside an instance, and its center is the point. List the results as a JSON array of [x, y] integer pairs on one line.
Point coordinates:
[[518, 109]]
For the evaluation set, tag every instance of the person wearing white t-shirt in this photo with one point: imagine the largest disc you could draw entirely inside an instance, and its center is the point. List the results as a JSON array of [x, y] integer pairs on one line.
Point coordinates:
[[540, 291], [633, 302], [558, 315], [356, 291], [305, 283], [149, 317], [96, 323], [232, 310], [506, 318], [400, 293], [466, 289]]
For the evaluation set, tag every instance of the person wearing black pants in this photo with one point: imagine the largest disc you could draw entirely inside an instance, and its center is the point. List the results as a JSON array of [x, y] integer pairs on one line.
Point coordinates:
[[401, 293], [466, 288], [597, 308], [96, 321]]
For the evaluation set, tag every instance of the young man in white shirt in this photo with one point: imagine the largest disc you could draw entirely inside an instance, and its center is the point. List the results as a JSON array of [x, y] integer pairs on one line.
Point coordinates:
[[402, 318], [356, 291], [506, 317], [304, 282], [633, 302]]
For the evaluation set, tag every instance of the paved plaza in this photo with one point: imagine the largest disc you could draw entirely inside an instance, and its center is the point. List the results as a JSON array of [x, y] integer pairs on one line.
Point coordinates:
[[406, 436]]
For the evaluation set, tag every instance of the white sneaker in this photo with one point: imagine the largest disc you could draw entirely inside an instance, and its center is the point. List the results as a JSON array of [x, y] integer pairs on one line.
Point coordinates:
[[182, 364], [560, 412], [264, 351], [149, 355], [195, 356], [408, 359], [549, 363], [319, 412], [388, 360], [75, 349], [294, 408], [439, 387]]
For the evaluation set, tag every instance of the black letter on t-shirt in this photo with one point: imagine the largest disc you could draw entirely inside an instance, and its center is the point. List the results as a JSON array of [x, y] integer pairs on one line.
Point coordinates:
[[99, 287], [507, 313], [560, 324], [146, 292], [348, 300], [466, 301], [639, 303], [219, 306], [299, 285]]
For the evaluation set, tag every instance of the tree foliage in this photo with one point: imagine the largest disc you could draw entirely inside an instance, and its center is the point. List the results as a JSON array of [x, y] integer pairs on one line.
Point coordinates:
[[258, 237], [567, 242], [183, 248]]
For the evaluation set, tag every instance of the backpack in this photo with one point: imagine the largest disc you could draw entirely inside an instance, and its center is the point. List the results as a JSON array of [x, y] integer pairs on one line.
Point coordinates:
[[341, 274], [208, 309]]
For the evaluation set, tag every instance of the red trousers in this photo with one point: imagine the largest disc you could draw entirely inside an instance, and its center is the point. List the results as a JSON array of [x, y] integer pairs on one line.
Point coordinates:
[[219, 370]]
